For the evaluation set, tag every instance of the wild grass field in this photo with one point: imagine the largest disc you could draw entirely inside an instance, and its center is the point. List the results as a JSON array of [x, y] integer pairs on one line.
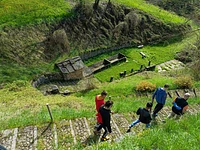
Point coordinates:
[[154, 10], [22, 105], [20, 13]]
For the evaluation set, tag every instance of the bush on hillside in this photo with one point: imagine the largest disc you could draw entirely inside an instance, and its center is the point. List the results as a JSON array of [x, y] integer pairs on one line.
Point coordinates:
[[195, 65], [183, 56], [145, 86], [184, 82], [58, 42], [17, 85], [195, 70]]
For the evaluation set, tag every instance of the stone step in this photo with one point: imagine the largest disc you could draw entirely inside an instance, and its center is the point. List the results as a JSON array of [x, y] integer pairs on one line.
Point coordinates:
[[46, 137], [121, 122], [26, 138], [66, 133], [81, 129], [115, 129], [170, 65], [165, 112], [138, 127], [8, 138]]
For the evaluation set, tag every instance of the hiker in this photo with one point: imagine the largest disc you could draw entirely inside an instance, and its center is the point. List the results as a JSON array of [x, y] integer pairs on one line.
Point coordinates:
[[160, 94], [145, 116], [99, 101], [106, 117], [180, 105], [2, 147]]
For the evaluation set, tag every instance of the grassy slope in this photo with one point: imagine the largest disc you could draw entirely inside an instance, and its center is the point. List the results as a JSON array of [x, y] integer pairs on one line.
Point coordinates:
[[155, 54], [22, 100], [20, 12], [23, 105], [153, 10], [174, 135]]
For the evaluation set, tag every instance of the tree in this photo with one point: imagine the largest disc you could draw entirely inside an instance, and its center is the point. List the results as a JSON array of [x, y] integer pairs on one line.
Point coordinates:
[[96, 4]]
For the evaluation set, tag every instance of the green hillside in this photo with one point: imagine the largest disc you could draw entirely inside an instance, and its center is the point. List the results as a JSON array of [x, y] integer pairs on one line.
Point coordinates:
[[21, 13], [30, 46], [154, 10]]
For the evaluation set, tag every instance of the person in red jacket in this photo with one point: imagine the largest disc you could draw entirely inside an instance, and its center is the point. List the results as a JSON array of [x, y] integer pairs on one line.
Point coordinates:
[[99, 101]]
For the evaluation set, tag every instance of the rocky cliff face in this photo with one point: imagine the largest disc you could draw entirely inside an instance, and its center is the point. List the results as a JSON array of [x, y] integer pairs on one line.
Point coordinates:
[[108, 26]]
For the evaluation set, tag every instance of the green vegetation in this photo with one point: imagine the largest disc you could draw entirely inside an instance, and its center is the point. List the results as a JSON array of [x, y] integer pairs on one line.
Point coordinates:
[[23, 105], [30, 102], [27, 105], [14, 72], [171, 135], [153, 10], [156, 54], [20, 12], [188, 8], [184, 82]]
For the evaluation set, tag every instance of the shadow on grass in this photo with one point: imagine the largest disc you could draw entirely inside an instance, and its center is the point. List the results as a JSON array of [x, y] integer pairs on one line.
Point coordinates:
[[91, 139]]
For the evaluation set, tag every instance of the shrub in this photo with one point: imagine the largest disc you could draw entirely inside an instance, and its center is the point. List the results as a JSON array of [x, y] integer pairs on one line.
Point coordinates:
[[16, 85], [59, 40], [184, 82], [145, 86]]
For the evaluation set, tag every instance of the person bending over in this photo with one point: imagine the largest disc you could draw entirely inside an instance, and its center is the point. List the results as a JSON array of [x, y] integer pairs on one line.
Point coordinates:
[[144, 116], [180, 105]]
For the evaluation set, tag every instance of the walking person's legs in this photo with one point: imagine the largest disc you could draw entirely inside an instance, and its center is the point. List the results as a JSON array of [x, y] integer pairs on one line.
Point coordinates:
[[178, 117], [148, 125], [106, 132], [171, 115], [98, 129], [132, 124], [157, 109]]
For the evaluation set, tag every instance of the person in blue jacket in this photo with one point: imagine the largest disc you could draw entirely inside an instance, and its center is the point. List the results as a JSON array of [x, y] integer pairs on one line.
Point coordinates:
[[160, 95]]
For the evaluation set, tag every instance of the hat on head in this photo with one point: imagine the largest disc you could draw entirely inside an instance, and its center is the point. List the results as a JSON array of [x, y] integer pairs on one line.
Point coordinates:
[[187, 94]]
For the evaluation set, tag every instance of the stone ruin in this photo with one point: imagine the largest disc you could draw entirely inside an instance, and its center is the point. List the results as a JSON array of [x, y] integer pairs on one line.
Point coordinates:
[[107, 62], [69, 69], [73, 69]]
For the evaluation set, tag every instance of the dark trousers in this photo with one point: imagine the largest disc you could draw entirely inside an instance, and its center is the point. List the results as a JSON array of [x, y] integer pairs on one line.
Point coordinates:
[[105, 130], [158, 107]]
